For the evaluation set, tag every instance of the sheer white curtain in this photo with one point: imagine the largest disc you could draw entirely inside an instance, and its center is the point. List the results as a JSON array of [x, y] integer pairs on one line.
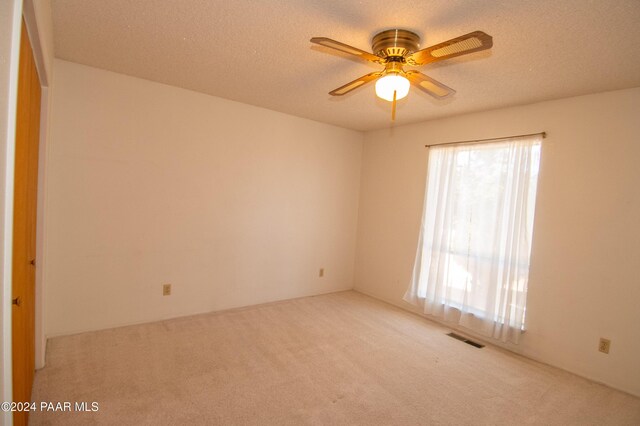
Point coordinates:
[[472, 262]]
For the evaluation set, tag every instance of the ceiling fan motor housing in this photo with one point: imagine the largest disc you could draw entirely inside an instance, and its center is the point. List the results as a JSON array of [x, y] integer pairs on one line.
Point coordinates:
[[394, 45]]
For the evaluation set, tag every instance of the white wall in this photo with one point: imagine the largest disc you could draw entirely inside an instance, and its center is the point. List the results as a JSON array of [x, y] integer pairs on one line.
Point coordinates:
[[586, 249], [150, 184]]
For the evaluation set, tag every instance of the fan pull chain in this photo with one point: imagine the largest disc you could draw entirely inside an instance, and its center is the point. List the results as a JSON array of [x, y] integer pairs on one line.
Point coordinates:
[[393, 107]]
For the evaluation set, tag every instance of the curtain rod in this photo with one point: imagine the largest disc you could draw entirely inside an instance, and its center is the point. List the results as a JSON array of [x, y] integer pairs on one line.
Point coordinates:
[[544, 135]]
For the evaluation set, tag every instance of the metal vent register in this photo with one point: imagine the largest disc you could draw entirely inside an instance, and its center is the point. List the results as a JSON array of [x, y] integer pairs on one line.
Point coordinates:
[[464, 339]]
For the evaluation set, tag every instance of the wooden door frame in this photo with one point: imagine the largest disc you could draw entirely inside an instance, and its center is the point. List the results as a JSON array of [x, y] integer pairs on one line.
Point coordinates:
[[24, 226], [33, 15]]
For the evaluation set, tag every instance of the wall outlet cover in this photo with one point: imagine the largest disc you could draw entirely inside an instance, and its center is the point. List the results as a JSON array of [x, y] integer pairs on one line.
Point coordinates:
[[166, 289], [604, 345]]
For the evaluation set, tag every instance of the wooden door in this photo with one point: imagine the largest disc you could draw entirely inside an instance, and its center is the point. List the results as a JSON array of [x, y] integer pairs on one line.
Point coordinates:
[[24, 226]]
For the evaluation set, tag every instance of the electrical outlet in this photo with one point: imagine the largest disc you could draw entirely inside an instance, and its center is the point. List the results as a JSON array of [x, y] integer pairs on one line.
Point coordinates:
[[604, 345], [321, 273], [166, 289]]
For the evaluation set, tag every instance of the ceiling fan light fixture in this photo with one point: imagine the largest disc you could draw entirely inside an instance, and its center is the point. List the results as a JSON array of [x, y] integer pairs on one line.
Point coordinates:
[[386, 85], [396, 48]]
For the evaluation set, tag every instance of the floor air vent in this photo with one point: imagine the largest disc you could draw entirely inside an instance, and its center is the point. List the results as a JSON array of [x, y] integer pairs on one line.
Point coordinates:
[[464, 339]]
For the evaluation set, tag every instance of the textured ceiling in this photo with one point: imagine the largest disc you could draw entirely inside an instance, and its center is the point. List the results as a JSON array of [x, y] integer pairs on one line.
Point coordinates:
[[258, 51]]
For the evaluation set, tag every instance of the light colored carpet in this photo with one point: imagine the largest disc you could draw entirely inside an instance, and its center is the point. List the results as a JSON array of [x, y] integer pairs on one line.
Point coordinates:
[[342, 358]]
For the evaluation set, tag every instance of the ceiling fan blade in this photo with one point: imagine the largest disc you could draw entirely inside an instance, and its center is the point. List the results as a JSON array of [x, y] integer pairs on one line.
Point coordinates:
[[429, 85], [342, 90], [327, 42], [468, 43]]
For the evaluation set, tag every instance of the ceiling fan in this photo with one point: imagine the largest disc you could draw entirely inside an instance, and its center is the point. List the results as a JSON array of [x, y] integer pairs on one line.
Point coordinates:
[[396, 48]]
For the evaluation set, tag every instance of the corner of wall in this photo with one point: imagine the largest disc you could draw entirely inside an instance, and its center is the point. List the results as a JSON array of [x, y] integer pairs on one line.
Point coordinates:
[[355, 279]]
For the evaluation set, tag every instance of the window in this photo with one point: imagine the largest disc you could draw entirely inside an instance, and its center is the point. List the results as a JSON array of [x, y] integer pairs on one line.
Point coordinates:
[[472, 262]]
